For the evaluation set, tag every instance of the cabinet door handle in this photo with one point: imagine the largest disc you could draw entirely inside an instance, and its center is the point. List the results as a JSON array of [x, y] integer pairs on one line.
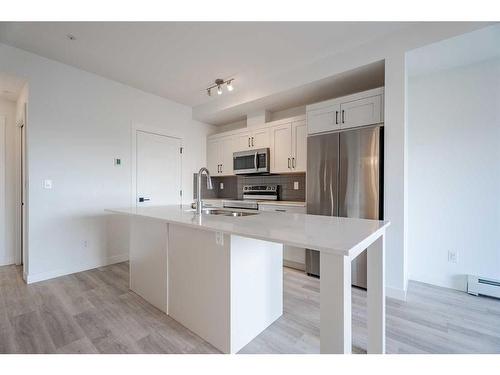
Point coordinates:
[[293, 162], [343, 119], [288, 163], [252, 142], [249, 142], [336, 117], [221, 168], [279, 210]]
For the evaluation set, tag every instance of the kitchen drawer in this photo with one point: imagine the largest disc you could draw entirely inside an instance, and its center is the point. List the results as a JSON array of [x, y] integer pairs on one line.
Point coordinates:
[[282, 208]]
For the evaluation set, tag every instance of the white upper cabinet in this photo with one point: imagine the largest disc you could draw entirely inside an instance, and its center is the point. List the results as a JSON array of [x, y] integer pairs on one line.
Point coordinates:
[[281, 148], [324, 119], [299, 146], [220, 155], [213, 156], [289, 147], [244, 141], [228, 147], [251, 140], [361, 112], [260, 138], [364, 108]]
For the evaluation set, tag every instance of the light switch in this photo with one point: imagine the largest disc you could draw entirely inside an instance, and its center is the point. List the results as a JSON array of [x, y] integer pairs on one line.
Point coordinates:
[[47, 184], [296, 185]]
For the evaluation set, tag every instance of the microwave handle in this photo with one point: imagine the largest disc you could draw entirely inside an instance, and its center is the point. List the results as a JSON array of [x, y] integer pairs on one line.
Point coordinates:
[[255, 161]]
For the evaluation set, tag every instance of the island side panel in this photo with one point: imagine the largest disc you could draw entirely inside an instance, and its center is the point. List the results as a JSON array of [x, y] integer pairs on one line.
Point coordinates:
[[256, 288], [376, 296], [148, 255], [199, 283], [335, 304]]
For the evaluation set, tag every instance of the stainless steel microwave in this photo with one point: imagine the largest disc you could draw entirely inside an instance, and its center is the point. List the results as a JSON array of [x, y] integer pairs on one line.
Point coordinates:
[[251, 161]]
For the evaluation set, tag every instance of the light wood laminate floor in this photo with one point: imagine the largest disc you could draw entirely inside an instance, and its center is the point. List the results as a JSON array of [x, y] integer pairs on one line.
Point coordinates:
[[94, 312]]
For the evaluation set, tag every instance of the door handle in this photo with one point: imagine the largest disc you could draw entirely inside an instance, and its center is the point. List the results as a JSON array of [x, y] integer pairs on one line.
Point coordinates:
[[143, 199], [249, 142], [343, 119], [252, 142], [221, 168], [336, 117], [288, 163], [293, 162]]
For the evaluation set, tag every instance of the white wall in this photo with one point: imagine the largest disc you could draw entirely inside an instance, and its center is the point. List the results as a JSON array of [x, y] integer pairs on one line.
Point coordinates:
[[7, 183], [77, 124], [454, 174]]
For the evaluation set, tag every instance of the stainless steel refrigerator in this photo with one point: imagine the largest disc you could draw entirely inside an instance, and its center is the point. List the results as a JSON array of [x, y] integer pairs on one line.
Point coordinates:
[[344, 178]]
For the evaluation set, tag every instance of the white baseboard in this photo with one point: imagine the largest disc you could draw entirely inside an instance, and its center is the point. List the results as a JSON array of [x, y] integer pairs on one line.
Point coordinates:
[[30, 279], [395, 293]]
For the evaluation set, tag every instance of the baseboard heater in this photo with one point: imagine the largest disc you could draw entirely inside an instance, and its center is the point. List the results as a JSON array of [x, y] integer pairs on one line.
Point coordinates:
[[481, 285]]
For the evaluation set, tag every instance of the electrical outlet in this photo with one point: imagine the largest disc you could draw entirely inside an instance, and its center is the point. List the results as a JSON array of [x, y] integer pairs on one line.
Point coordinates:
[[453, 256], [219, 238], [296, 185], [221, 185]]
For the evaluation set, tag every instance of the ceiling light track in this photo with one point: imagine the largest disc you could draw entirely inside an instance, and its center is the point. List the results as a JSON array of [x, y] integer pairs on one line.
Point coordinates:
[[219, 83]]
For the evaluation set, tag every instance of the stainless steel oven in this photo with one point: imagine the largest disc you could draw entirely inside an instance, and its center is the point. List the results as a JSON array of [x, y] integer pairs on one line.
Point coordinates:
[[251, 162]]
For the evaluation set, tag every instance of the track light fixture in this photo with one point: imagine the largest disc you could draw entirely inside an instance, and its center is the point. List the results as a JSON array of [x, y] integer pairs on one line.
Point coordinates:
[[219, 82]]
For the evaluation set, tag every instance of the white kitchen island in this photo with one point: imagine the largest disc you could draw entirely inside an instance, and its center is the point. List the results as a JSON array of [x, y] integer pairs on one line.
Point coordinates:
[[222, 277]]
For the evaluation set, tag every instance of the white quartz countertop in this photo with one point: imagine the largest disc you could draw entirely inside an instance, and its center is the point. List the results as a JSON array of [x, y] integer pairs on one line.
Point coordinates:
[[343, 236]]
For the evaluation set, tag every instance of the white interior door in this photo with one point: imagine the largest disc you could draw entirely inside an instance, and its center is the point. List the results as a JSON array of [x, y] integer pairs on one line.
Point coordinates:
[[158, 169]]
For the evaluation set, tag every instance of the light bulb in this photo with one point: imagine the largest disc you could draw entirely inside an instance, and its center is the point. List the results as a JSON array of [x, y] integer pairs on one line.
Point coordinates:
[[230, 86], [219, 90]]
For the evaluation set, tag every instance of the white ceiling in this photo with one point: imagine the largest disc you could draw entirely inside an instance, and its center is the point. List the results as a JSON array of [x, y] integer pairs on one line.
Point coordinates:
[[360, 79], [179, 60], [473, 47], [10, 87]]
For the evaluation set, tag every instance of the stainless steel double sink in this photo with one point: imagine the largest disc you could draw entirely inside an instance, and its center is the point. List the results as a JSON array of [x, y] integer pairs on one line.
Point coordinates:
[[221, 212]]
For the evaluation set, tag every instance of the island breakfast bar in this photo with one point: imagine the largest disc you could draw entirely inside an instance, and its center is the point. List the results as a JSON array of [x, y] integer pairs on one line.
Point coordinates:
[[221, 276]]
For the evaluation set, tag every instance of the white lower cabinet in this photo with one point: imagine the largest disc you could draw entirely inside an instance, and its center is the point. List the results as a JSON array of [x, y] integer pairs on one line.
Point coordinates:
[[293, 257]]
